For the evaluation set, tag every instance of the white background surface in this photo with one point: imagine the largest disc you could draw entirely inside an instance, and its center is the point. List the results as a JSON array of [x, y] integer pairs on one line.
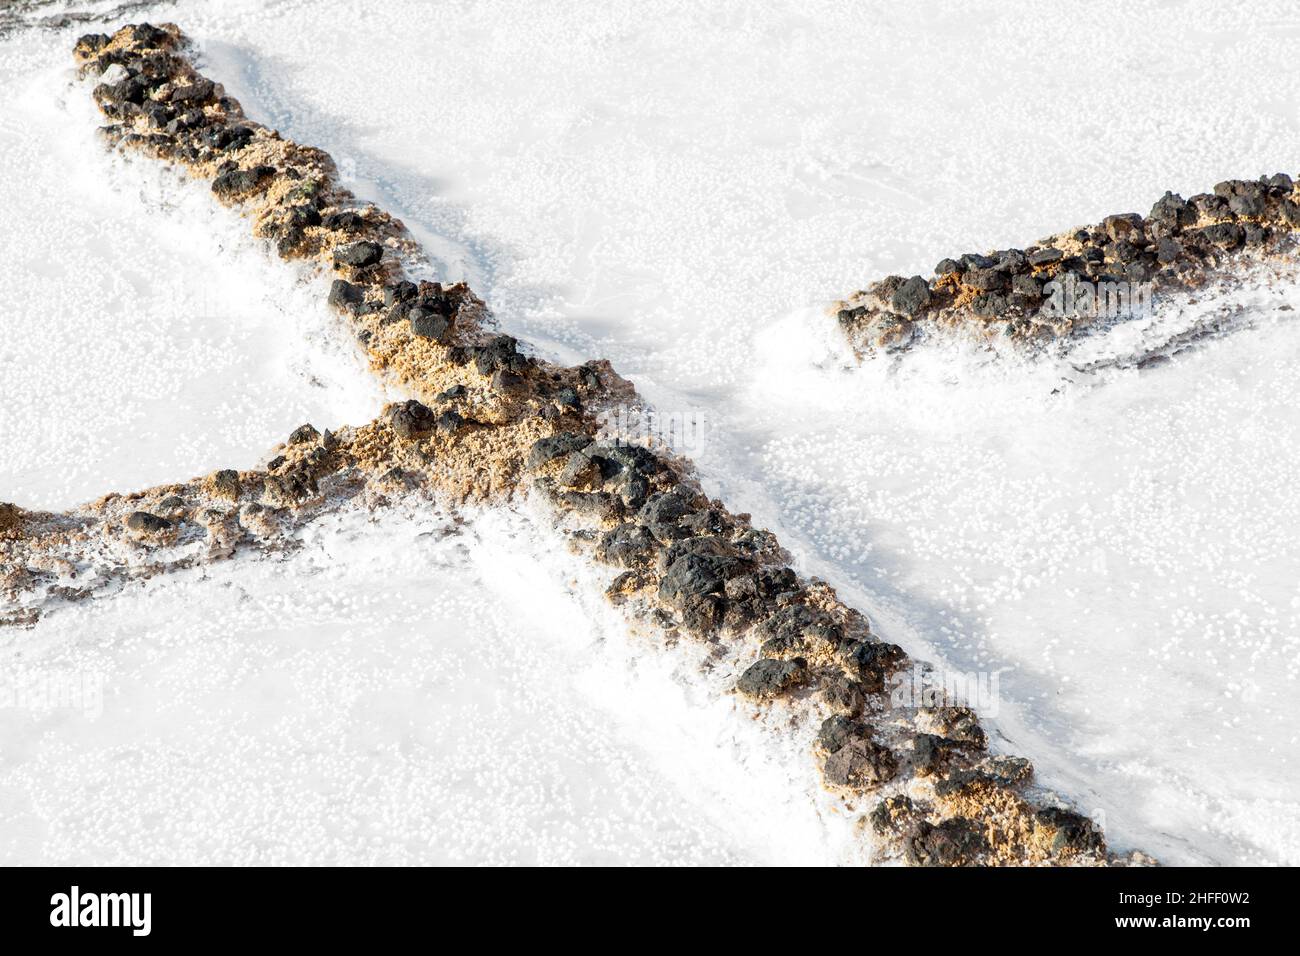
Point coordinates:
[[681, 189]]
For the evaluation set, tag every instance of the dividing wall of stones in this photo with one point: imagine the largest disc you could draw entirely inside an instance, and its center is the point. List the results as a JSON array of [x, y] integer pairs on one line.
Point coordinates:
[[489, 422], [1180, 245]]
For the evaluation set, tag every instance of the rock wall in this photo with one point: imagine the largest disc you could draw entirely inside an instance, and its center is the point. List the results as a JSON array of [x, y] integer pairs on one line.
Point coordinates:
[[1180, 245]]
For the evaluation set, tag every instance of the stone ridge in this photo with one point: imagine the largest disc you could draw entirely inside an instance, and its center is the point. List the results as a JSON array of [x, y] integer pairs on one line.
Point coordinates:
[[490, 422], [1181, 244]]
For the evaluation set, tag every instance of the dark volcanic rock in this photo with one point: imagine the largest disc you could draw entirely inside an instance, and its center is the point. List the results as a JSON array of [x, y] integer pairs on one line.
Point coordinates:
[[143, 522], [163, 116], [1027, 286], [911, 297], [500, 353], [1125, 226], [452, 394], [411, 419], [1012, 261], [871, 661], [1122, 251], [959, 723], [547, 449], [954, 842], [401, 292], [1072, 830], [1225, 235], [344, 220], [345, 295], [430, 325], [860, 763], [147, 35], [1210, 205], [225, 483], [702, 569], [90, 44], [662, 514], [303, 434], [449, 422], [628, 545], [599, 505], [1246, 204], [295, 484], [1168, 250], [1255, 233], [838, 730], [227, 138], [200, 91], [1280, 183], [702, 613], [302, 215], [790, 624], [1173, 212], [985, 279], [844, 695], [748, 595], [892, 814], [770, 678], [588, 468], [237, 182], [363, 253], [189, 120], [932, 752], [988, 305], [131, 90], [1244, 198], [508, 383]]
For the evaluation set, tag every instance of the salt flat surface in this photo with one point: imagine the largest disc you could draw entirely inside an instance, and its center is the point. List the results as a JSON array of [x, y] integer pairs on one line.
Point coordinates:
[[682, 187], [362, 701], [1122, 553], [401, 688], [148, 337]]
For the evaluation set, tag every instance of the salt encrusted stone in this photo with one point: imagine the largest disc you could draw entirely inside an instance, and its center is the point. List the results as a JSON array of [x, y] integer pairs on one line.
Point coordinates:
[[1180, 244]]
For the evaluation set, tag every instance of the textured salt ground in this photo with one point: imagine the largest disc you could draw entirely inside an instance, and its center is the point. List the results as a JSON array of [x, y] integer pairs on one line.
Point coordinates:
[[75, 789], [147, 337], [1123, 555], [399, 690], [671, 225], [673, 217]]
